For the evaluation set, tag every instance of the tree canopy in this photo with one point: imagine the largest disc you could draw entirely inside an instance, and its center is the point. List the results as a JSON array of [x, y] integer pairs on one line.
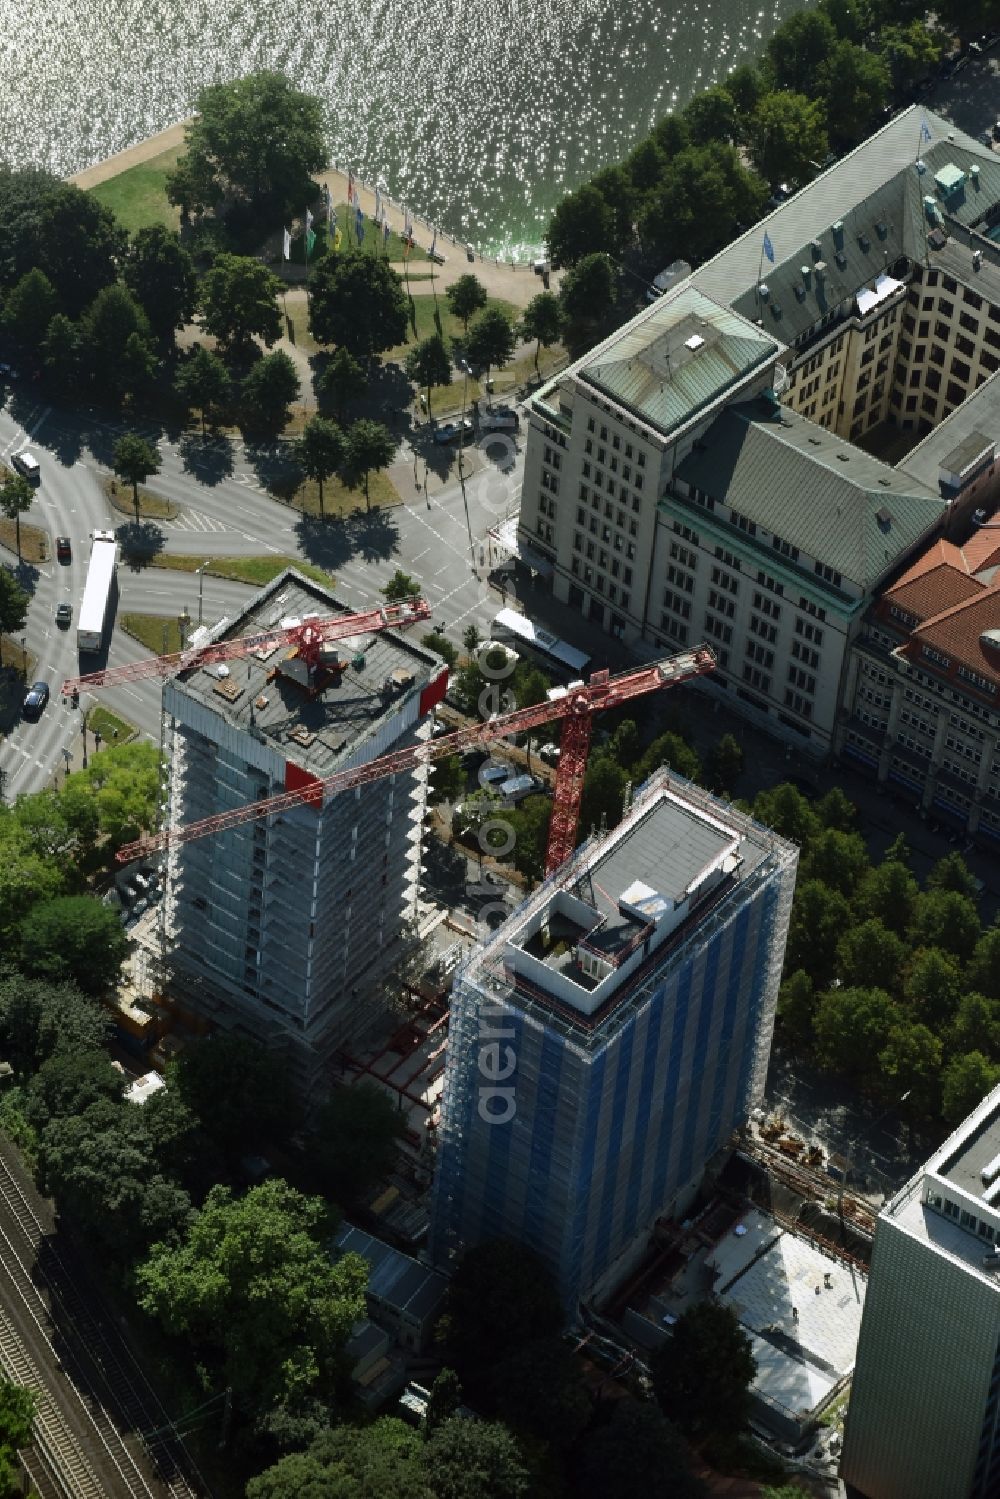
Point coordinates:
[[500, 1298], [703, 1372], [358, 303], [357, 1133], [74, 937], [238, 302], [320, 451], [160, 275], [240, 1091]]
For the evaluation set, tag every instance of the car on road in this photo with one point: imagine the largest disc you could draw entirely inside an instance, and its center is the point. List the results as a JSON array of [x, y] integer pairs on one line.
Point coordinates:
[[64, 613], [35, 699], [518, 787], [449, 431], [498, 419], [27, 465], [64, 551]]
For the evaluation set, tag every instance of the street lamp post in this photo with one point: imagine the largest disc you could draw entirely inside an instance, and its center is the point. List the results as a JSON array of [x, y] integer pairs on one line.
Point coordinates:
[[201, 586], [463, 365], [24, 656]]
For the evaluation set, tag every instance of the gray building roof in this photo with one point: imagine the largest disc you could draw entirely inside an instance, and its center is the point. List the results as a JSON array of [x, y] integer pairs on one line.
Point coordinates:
[[671, 363], [396, 1281], [800, 482], [958, 440], [319, 729], [837, 194]]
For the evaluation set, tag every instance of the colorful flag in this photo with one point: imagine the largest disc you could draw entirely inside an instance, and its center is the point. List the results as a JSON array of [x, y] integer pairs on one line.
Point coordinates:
[[768, 247], [331, 217], [386, 231], [925, 130], [286, 248], [310, 241], [407, 224], [359, 225], [378, 205], [338, 239], [407, 246], [350, 187], [309, 220]]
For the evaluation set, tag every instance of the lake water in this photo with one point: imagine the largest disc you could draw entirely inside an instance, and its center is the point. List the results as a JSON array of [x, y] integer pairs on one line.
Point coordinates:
[[477, 114]]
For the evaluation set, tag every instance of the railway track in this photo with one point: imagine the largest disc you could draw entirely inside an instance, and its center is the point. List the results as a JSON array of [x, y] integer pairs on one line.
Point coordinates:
[[96, 1358]]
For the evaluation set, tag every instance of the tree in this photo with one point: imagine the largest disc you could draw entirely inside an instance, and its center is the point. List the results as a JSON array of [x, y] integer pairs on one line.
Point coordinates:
[[542, 320], [798, 49], [943, 918], [706, 193], [952, 873], [401, 587], [581, 225], [466, 297], [619, 192], [852, 1026], [134, 460], [123, 782], [16, 496], [203, 382], [889, 893], [588, 291], [61, 230], [253, 1284], [539, 1390], [257, 139], [603, 794], [702, 1374], [471, 638], [358, 303], [911, 1060], [39, 1020], [834, 810], [69, 1082], [788, 812], [445, 1399], [870, 954], [672, 750], [788, 137], [468, 1459], [112, 320], [62, 357], [529, 824], [343, 380], [369, 446], [975, 1026], [910, 51], [357, 1137], [932, 986], [983, 972], [14, 600], [840, 860], [320, 451], [428, 364], [490, 341], [634, 1451], [159, 273], [29, 309], [965, 1083], [240, 1091], [351, 1462], [500, 1297], [711, 116], [854, 85], [239, 302], [796, 1002], [725, 763], [746, 88], [435, 641], [74, 937], [269, 388]]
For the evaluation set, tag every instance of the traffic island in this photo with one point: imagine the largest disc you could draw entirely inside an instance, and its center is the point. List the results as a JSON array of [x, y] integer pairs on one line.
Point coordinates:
[[150, 506]]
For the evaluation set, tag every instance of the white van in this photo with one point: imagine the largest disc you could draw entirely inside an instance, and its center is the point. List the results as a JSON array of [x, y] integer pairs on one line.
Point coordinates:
[[27, 464]]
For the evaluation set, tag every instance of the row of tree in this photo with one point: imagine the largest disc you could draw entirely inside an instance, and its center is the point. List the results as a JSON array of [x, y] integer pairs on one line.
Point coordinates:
[[827, 77]]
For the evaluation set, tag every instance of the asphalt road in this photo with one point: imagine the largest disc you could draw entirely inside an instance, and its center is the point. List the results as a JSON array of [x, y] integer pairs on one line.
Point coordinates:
[[225, 510]]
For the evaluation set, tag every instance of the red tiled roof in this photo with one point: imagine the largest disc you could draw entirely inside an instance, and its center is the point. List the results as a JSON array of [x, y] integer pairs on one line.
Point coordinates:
[[928, 592], [956, 633]]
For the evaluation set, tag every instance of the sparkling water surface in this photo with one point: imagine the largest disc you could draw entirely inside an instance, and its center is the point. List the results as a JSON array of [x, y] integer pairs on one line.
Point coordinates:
[[479, 113]]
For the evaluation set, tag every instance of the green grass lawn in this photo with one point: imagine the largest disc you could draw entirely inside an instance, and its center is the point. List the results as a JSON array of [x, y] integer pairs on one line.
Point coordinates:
[[151, 506], [138, 196], [112, 729], [339, 498], [425, 305], [160, 633], [255, 570], [12, 655]]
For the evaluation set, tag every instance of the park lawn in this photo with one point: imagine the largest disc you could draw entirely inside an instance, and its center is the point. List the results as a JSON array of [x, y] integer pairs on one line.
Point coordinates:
[[425, 305], [374, 238], [34, 541], [340, 499], [112, 728], [151, 506], [298, 316], [138, 196], [159, 633], [255, 570]]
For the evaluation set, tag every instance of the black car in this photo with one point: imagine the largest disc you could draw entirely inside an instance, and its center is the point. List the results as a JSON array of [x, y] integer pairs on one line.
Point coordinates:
[[35, 699], [64, 550]]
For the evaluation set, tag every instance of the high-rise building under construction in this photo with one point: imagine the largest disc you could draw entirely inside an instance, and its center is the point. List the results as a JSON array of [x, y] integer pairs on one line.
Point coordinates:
[[607, 1040], [282, 925]]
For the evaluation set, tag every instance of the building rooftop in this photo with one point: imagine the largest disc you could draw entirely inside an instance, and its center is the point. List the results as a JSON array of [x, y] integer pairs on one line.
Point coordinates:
[[960, 445], [397, 1281], [836, 503], [267, 694], [850, 192], [671, 362]]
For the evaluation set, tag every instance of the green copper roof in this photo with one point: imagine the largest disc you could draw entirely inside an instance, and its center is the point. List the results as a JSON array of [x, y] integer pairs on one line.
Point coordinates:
[[684, 354]]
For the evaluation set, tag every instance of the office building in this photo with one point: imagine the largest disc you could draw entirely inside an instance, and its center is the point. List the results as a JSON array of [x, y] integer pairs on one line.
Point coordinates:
[[922, 1422], [608, 1039], [282, 925], [699, 472]]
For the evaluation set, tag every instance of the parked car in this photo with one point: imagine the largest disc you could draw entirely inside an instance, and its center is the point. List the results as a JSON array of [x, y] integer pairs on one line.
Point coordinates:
[[35, 699], [64, 613], [64, 551], [449, 431], [27, 465], [550, 754], [498, 419], [518, 787], [493, 774]]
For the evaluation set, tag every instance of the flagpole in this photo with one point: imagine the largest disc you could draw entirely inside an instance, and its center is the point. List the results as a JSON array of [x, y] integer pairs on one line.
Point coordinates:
[[760, 273]]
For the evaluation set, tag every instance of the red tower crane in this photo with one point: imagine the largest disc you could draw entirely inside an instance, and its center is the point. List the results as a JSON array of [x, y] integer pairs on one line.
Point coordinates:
[[576, 706], [307, 635]]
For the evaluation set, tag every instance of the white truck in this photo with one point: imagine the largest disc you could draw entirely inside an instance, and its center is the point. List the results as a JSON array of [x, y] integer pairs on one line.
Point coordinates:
[[100, 592]]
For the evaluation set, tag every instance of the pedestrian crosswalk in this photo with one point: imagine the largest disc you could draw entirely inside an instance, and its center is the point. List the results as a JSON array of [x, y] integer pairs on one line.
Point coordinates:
[[190, 520]]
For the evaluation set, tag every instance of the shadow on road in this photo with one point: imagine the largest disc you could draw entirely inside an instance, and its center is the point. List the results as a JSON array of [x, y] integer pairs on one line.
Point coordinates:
[[371, 535], [12, 687], [140, 541], [209, 459]]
